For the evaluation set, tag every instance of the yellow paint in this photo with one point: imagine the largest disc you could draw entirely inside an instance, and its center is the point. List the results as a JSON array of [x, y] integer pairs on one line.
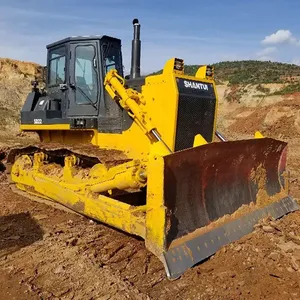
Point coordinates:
[[199, 140], [201, 73], [35, 127], [156, 210], [79, 197], [258, 135]]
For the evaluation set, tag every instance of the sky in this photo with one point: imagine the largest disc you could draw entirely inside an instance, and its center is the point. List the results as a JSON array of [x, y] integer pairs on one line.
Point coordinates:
[[200, 32]]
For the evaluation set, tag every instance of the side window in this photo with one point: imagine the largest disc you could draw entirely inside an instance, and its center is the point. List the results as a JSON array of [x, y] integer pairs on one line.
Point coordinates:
[[112, 58], [57, 65], [110, 63], [86, 77]]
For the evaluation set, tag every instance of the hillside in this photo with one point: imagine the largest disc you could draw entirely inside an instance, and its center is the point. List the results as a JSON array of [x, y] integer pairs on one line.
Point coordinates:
[[251, 72], [15, 78]]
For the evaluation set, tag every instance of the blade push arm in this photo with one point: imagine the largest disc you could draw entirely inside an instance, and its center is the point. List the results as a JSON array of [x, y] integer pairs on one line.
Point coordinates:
[[131, 100]]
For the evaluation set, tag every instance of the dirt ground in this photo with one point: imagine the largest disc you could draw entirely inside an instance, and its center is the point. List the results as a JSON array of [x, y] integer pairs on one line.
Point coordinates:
[[46, 253]]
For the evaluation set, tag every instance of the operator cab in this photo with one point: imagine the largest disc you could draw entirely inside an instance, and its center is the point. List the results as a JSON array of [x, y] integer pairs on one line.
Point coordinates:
[[76, 69], [77, 66]]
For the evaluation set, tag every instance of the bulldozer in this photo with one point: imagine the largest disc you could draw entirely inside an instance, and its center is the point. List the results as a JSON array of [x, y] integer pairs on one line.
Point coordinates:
[[142, 153]]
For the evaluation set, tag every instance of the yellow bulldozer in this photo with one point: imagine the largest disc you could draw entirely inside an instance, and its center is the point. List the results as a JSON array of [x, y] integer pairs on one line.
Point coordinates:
[[142, 153]]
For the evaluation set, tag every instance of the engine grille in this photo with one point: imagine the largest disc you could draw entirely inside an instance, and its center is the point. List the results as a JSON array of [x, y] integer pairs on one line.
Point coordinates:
[[196, 114]]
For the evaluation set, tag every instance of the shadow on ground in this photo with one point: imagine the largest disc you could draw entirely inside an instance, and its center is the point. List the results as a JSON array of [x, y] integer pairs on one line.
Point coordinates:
[[2, 156], [18, 231]]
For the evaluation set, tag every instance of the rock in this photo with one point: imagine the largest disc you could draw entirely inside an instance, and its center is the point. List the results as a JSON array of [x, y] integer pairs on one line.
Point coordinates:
[[293, 226], [294, 265], [47, 235], [40, 217], [291, 270], [241, 283], [62, 292], [273, 223], [59, 270], [45, 295], [13, 237], [80, 265], [268, 229], [288, 246], [238, 248], [296, 254], [10, 268], [289, 250], [70, 222], [275, 226], [294, 238], [274, 256], [72, 242], [4, 228]]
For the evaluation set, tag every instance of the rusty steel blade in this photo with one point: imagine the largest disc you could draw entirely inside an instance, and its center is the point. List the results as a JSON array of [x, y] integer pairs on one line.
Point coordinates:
[[211, 188], [197, 248]]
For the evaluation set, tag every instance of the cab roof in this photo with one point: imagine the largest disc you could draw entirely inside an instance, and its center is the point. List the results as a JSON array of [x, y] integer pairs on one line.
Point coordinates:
[[82, 38]]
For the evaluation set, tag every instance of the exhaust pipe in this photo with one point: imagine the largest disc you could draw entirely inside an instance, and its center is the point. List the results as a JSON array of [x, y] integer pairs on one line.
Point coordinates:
[[135, 71]]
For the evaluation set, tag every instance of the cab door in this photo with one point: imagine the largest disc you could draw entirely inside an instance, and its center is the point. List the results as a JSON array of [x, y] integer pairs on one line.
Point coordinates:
[[84, 79]]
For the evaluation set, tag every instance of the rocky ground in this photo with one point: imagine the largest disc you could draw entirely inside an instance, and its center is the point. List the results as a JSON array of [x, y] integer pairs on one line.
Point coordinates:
[[47, 253]]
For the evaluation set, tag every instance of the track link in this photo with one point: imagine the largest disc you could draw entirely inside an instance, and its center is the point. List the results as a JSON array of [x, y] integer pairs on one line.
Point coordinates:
[[88, 154]]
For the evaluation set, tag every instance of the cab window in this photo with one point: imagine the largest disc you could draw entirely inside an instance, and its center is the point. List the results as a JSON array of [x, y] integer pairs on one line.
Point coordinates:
[[57, 66], [86, 77], [112, 57]]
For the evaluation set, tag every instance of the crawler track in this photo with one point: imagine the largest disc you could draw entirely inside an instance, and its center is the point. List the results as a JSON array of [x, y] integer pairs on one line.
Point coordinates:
[[88, 154]]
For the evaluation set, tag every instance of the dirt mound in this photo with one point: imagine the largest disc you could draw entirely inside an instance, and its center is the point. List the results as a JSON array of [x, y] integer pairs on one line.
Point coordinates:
[[15, 84], [14, 69], [280, 120], [250, 95], [262, 265]]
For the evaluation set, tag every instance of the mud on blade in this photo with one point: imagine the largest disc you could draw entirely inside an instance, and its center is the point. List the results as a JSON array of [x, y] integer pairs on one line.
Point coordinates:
[[215, 193]]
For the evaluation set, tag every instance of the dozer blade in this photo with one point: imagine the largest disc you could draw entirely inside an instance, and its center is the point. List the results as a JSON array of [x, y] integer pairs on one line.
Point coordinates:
[[214, 194]]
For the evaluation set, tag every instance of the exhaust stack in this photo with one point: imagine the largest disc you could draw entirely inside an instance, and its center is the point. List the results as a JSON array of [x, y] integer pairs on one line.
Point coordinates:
[[135, 71]]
